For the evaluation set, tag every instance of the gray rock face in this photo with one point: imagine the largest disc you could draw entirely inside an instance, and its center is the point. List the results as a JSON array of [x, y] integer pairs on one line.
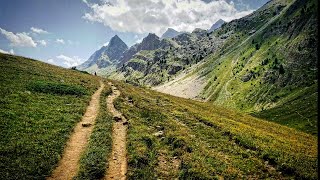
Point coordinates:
[[183, 39], [216, 25], [93, 58], [247, 77], [106, 55], [102, 63], [170, 33], [151, 42], [136, 66], [115, 48], [174, 69]]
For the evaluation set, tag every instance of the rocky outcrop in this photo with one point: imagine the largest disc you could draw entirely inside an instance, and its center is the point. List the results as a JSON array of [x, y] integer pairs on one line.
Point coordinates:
[[174, 69], [137, 66]]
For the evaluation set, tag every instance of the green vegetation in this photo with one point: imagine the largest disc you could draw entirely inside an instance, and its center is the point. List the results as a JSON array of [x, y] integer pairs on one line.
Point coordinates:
[[139, 61], [299, 111], [56, 88], [39, 106], [272, 73], [203, 141], [94, 161]]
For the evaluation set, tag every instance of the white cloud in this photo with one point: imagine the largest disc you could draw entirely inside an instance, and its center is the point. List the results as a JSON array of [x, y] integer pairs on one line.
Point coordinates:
[[38, 30], [7, 52], [106, 44], [143, 16], [19, 39], [60, 41], [51, 61], [42, 42], [85, 1], [139, 40], [70, 61]]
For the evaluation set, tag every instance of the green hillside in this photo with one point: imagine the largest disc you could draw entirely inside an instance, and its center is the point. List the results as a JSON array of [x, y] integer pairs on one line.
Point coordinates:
[[271, 71], [168, 137], [40, 105]]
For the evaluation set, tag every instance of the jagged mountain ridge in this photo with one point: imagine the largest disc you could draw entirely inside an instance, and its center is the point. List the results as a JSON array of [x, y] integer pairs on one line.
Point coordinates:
[[156, 66], [150, 42]]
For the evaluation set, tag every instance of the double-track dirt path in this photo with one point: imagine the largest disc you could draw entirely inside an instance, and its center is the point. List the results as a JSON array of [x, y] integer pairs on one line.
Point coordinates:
[[118, 159], [68, 165]]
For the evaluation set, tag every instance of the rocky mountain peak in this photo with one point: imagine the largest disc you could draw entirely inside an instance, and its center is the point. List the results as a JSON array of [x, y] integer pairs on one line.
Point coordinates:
[[115, 41], [150, 42], [170, 33], [216, 25], [116, 48], [198, 30], [151, 36], [106, 55]]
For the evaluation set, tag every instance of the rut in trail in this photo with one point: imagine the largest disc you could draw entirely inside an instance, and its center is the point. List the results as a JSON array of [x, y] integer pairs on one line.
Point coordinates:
[[118, 159], [68, 165]]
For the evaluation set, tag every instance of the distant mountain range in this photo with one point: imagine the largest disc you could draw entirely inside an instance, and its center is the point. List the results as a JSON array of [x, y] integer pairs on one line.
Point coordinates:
[[117, 52]]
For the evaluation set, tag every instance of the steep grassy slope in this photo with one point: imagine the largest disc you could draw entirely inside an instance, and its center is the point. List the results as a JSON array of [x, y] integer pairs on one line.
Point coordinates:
[[39, 106], [267, 69], [170, 137], [298, 110]]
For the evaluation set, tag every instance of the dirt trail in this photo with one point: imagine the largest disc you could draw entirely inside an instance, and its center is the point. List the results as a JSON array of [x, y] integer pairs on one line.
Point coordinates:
[[68, 166], [118, 159]]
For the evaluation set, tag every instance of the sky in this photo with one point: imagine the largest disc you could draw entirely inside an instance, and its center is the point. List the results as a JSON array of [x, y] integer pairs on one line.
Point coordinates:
[[67, 32]]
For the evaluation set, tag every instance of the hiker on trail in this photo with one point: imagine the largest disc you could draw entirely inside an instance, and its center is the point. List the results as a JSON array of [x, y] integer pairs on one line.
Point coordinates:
[[95, 73]]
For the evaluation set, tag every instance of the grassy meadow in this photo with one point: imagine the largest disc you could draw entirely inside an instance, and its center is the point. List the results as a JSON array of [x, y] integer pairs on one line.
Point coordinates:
[[203, 141], [39, 106]]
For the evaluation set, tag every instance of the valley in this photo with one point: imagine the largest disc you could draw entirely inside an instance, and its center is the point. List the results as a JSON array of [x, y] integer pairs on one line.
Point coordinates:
[[255, 64]]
